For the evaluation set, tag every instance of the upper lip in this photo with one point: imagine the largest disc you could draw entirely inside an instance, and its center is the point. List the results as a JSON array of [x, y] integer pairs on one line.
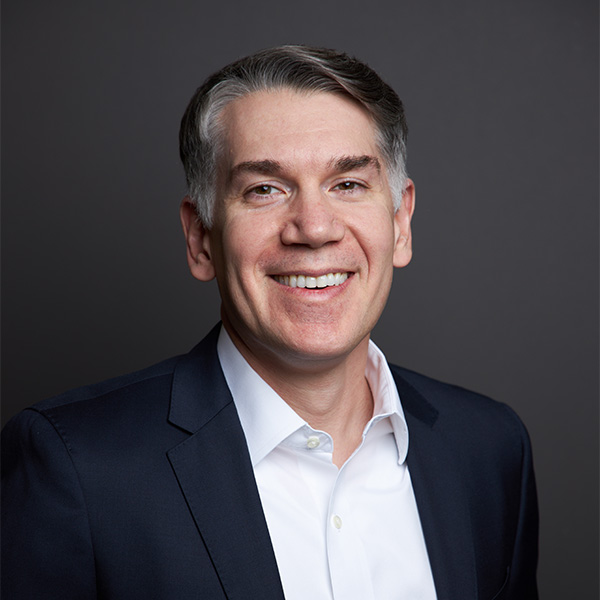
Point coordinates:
[[310, 272]]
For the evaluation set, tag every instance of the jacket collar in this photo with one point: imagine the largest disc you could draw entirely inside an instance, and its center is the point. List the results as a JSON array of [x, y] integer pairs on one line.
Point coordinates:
[[197, 372], [440, 495], [216, 477]]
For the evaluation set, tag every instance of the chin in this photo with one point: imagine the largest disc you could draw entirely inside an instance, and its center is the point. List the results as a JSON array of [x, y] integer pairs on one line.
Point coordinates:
[[322, 346]]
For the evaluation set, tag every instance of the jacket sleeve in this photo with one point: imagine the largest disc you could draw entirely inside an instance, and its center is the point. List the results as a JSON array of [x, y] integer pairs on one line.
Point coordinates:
[[46, 543], [521, 583]]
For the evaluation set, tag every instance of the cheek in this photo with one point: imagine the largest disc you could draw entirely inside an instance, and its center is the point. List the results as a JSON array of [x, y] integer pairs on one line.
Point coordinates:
[[243, 246], [375, 233]]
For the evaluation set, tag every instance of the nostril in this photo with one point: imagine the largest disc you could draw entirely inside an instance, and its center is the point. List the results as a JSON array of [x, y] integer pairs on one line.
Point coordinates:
[[312, 232]]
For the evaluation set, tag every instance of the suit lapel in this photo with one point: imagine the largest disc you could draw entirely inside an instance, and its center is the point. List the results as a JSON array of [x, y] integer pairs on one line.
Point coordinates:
[[440, 497], [215, 475]]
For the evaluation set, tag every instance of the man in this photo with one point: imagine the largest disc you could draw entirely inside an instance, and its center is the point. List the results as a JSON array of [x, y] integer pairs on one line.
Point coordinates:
[[275, 457]]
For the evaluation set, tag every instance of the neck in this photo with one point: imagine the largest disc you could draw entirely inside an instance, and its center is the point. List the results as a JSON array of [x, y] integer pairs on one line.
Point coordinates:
[[333, 397]]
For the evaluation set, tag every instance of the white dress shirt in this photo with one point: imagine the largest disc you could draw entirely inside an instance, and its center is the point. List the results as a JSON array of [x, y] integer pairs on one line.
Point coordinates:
[[344, 534]]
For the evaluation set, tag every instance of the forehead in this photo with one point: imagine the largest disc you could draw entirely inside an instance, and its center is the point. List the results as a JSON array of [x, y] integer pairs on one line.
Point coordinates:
[[286, 125]]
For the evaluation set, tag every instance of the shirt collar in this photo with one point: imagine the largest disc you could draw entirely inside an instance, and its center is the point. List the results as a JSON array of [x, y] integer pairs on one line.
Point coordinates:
[[269, 421]]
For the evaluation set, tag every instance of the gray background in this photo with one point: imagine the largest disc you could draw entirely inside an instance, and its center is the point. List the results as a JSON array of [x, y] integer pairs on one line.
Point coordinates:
[[501, 296]]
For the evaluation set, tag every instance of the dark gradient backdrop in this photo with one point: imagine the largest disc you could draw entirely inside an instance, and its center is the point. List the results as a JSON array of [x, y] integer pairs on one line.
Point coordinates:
[[502, 103]]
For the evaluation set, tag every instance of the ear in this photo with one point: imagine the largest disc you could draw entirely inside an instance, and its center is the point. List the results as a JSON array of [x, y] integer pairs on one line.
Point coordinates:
[[198, 242], [402, 218]]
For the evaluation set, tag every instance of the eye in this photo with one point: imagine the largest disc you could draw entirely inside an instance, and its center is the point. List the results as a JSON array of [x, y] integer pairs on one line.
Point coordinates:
[[264, 194], [265, 190], [348, 186]]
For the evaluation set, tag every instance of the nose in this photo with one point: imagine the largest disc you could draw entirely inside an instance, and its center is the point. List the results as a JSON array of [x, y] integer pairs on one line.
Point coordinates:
[[312, 221]]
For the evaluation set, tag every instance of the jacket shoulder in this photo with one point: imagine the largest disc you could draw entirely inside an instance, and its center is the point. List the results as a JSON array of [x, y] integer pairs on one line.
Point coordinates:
[[121, 385], [468, 418], [446, 398], [132, 401]]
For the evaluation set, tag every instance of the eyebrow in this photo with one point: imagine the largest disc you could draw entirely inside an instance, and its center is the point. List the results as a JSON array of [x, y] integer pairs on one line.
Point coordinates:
[[263, 167], [349, 163], [273, 167]]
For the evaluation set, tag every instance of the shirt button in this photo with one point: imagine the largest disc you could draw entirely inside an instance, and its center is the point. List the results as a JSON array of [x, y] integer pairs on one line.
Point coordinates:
[[336, 521], [313, 442]]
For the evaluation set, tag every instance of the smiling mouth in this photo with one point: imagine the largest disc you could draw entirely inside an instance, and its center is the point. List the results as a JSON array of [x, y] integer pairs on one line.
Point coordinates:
[[307, 281]]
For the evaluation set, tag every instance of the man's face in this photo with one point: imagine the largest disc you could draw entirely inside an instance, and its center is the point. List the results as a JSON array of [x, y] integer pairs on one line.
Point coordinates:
[[305, 236]]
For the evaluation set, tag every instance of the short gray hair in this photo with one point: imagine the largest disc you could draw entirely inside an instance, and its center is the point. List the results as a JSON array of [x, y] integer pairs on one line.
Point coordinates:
[[300, 68]]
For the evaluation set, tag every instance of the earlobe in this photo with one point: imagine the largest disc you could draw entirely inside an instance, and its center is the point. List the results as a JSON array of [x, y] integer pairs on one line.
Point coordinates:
[[402, 229], [197, 238]]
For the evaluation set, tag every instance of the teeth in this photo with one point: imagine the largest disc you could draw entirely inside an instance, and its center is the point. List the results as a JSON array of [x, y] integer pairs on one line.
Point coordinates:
[[307, 281], [322, 281]]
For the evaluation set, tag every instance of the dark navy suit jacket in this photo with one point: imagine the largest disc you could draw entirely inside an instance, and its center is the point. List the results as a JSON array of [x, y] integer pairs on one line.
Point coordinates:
[[142, 487]]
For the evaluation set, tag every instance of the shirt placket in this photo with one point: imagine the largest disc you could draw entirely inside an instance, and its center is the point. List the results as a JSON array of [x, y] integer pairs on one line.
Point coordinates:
[[348, 566]]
